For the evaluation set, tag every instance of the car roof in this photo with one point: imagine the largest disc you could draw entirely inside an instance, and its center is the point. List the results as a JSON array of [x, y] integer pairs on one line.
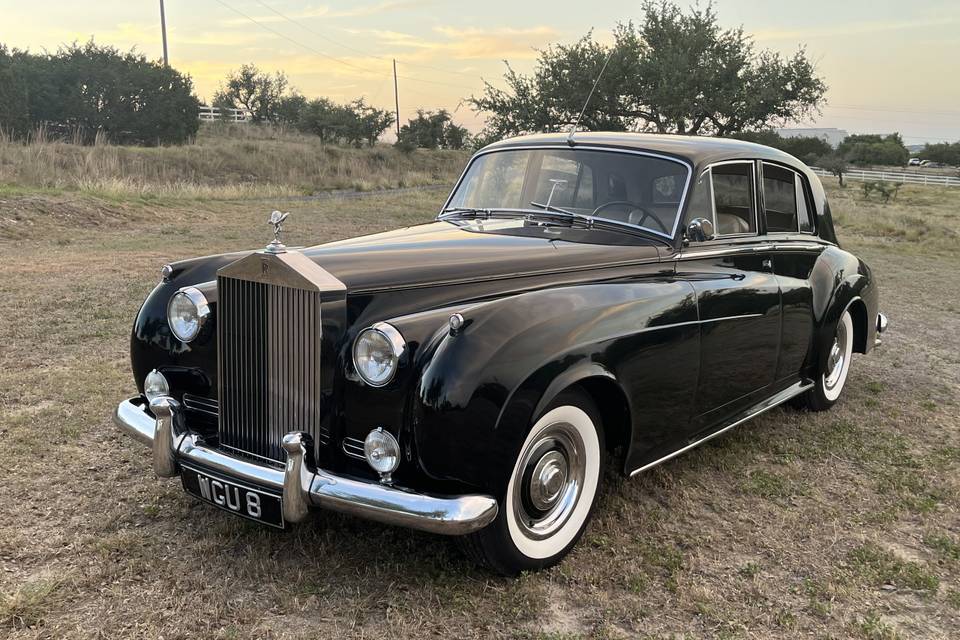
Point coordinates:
[[696, 149]]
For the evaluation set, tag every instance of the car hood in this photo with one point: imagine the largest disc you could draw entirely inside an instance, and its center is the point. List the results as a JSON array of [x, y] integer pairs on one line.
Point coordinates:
[[442, 252]]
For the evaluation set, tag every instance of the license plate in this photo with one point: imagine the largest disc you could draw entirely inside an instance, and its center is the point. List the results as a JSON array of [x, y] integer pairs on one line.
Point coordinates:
[[237, 498]]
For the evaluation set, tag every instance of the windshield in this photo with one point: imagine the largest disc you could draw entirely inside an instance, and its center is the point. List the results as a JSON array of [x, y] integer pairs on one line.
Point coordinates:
[[644, 191]]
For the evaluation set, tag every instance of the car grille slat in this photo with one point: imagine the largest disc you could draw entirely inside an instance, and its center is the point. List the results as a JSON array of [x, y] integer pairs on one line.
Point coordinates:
[[269, 365]]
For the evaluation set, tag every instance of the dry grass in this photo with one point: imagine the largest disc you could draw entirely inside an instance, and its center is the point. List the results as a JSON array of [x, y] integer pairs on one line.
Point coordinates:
[[226, 162], [836, 525]]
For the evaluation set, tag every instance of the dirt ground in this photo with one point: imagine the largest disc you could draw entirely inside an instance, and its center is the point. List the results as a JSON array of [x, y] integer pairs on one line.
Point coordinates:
[[835, 525]]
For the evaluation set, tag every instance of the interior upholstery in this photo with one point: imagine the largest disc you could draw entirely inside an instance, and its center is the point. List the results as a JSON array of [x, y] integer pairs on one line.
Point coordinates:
[[730, 223]]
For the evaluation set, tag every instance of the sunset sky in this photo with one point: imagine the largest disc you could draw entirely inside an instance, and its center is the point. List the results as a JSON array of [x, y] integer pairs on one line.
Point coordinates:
[[890, 66]]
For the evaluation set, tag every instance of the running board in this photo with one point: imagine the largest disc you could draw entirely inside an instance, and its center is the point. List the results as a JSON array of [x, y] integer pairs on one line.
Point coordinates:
[[771, 402]]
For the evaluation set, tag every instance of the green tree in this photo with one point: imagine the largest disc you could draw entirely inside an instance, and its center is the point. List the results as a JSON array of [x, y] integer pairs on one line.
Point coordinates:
[[942, 152], [432, 130], [289, 108], [83, 90], [871, 149], [14, 106], [255, 91], [835, 164], [807, 149], [673, 72]]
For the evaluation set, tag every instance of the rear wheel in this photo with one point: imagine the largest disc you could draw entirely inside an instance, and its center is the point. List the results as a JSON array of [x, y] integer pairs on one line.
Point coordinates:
[[551, 493], [834, 370]]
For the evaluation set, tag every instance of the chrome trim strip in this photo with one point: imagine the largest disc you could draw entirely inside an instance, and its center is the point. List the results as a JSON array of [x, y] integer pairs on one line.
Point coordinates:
[[611, 149], [303, 485], [353, 447], [779, 398]]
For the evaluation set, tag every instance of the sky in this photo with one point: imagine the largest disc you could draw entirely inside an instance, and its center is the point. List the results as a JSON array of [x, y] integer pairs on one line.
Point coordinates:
[[890, 65]]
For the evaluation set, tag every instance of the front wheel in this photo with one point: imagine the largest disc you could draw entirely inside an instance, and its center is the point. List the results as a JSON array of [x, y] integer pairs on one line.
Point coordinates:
[[833, 372], [551, 493]]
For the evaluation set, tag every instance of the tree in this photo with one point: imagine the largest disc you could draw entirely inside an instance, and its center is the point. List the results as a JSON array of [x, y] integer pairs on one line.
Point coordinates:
[[807, 149], [944, 152], [871, 149], [368, 123], [835, 164], [257, 92], [289, 108], [674, 72], [432, 130], [81, 91], [355, 123]]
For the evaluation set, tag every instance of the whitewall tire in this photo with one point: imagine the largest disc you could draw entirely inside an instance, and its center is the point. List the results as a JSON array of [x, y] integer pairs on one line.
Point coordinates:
[[834, 369], [551, 492]]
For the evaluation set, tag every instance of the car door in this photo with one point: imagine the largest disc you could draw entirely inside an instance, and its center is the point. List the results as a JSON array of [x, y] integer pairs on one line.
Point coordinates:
[[738, 297], [789, 223]]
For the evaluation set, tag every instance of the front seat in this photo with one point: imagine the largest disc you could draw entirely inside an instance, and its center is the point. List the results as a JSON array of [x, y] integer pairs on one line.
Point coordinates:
[[730, 224]]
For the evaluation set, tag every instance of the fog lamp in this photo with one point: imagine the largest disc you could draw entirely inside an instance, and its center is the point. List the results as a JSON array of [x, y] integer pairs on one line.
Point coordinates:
[[155, 385], [382, 452]]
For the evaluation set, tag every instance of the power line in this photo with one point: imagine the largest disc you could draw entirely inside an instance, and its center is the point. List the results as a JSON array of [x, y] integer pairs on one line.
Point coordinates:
[[327, 55], [352, 48]]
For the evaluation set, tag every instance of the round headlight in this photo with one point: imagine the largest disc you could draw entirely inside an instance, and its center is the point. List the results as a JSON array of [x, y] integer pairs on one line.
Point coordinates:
[[376, 353], [155, 385], [187, 313], [382, 452]]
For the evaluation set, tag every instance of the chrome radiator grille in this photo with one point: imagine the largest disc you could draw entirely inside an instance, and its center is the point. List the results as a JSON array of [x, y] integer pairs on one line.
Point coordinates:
[[269, 365]]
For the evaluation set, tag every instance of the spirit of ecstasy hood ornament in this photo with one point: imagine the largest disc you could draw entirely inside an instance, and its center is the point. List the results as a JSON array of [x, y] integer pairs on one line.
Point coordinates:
[[276, 219]]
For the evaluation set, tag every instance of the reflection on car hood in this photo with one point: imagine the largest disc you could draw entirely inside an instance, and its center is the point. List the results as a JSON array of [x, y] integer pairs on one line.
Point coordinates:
[[450, 252]]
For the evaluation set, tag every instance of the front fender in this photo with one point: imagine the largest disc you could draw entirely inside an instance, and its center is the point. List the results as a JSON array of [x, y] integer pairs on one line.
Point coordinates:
[[480, 388]]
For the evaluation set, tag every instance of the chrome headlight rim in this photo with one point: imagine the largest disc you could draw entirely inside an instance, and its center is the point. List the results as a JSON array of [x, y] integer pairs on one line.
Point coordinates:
[[397, 345], [201, 306]]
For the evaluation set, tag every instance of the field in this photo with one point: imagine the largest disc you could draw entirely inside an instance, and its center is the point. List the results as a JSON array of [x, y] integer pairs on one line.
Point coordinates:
[[835, 525]]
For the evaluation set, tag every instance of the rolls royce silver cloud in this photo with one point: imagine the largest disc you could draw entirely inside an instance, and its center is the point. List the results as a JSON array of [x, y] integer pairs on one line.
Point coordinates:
[[576, 297]]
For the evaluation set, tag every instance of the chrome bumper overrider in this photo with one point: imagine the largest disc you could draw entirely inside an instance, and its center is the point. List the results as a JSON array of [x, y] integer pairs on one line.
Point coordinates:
[[881, 327], [301, 483]]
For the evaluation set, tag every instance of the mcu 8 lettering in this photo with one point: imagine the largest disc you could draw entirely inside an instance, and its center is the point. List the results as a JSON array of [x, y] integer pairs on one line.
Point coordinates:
[[578, 297]]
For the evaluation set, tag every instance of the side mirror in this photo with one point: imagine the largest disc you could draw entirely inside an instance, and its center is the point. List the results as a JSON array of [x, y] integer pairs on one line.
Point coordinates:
[[700, 229]]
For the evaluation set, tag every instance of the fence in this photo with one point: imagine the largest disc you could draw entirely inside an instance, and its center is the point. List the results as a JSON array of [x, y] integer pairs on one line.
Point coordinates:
[[866, 175], [226, 115]]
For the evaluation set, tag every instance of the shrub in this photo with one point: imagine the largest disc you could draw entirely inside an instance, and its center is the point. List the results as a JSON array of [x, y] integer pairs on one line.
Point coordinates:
[[83, 92]]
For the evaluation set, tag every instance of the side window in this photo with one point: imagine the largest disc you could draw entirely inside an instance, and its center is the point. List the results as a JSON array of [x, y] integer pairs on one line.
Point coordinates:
[[733, 199], [701, 199], [780, 202]]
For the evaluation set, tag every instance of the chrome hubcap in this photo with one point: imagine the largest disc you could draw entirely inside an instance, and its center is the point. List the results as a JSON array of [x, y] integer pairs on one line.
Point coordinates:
[[837, 357], [548, 478], [552, 468]]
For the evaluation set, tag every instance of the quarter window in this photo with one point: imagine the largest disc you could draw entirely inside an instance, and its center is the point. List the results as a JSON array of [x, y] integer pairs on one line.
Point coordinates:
[[733, 199], [784, 202]]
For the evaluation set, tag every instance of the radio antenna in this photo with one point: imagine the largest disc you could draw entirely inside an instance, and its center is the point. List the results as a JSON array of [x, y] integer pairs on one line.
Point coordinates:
[[576, 123]]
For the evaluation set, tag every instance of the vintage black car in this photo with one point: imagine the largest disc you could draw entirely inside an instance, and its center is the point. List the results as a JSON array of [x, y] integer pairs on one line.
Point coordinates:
[[577, 295]]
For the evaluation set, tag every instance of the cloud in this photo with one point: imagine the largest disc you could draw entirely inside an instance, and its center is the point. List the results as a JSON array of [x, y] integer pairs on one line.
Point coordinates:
[[466, 44], [324, 11], [846, 30]]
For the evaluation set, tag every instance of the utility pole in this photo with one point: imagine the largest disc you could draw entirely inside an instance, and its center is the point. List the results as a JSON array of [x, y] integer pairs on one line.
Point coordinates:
[[163, 28], [396, 94]]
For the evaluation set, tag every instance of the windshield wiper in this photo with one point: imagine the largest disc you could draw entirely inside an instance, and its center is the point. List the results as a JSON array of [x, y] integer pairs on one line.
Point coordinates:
[[549, 208], [465, 212]]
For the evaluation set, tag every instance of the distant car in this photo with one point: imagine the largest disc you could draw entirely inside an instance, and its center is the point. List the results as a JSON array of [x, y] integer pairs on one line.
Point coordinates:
[[934, 165], [914, 162], [575, 296]]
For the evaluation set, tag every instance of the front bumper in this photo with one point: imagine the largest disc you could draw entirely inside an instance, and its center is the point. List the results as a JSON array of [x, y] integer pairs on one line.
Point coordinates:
[[301, 483]]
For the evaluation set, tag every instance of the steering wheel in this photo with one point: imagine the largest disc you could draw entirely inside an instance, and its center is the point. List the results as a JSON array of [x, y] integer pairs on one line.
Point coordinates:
[[636, 207]]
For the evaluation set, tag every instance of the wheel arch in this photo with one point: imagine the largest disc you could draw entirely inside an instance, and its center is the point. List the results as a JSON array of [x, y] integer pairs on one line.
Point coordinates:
[[608, 395]]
